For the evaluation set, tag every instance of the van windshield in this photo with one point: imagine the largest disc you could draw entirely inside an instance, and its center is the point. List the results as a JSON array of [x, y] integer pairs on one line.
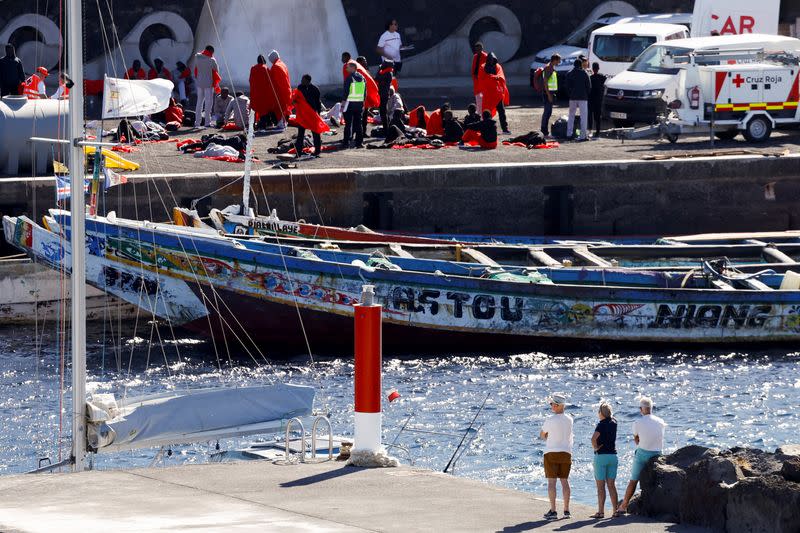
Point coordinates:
[[650, 60], [620, 48], [580, 38]]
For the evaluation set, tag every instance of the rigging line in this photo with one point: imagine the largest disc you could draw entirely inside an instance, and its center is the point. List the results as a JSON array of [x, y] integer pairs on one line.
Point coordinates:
[[191, 239], [146, 161], [214, 290]]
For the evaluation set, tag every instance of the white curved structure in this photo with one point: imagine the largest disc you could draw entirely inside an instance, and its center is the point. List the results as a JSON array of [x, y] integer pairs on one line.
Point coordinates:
[[453, 55], [21, 119], [310, 35]]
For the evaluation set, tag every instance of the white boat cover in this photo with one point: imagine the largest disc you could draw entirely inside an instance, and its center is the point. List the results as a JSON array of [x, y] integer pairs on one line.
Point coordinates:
[[197, 416]]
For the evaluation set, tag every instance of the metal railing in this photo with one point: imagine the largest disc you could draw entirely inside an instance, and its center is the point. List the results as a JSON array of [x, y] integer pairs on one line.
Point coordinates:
[[314, 437], [302, 439]]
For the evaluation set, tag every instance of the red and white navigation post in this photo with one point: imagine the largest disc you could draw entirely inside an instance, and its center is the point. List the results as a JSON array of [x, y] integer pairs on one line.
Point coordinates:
[[368, 370]]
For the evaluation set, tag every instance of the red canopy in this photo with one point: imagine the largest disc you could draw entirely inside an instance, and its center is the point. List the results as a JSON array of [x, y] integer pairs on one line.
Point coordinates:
[[262, 98], [305, 116], [482, 59], [279, 76]]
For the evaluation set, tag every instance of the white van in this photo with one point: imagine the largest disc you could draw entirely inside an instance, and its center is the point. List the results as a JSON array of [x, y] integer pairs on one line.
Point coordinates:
[[641, 93], [577, 43], [616, 46]]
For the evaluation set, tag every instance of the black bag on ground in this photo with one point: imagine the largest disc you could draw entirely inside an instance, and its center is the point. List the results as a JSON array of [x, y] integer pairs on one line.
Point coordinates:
[[532, 138], [559, 128]]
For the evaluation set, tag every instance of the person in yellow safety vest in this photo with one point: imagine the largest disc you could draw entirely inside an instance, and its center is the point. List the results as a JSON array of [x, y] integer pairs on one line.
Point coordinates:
[[64, 85], [550, 93], [356, 90], [34, 86]]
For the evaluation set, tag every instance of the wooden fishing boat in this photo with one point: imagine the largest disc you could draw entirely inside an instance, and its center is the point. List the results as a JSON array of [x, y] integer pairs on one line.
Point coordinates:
[[283, 297]]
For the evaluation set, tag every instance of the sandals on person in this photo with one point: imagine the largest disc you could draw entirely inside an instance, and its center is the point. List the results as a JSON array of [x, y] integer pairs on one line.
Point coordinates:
[[598, 515], [619, 513]]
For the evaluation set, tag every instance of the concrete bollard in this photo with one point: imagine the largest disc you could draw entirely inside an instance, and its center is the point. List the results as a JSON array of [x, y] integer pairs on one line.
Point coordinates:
[[367, 448]]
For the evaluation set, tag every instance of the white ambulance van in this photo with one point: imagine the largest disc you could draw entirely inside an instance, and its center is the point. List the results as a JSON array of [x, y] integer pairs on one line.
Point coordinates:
[[641, 93], [616, 46]]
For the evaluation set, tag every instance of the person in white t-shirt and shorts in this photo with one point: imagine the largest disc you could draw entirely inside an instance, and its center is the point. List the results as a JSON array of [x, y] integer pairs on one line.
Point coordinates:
[[648, 434], [390, 44], [557, 432]]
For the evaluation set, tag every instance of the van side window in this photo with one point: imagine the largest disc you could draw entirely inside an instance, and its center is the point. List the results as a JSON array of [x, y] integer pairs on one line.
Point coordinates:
[[678, 35]]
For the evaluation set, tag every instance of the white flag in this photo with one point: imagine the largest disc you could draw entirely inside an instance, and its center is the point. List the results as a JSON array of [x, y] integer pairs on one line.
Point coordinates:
[[131, 98]]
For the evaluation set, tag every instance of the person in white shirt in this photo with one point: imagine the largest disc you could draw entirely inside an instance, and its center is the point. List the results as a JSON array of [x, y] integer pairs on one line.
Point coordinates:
[[557, 432], [389, 45], [648, 434]]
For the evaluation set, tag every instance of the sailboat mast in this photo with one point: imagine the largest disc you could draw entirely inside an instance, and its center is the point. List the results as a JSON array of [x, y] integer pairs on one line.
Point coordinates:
[[248, 163], [77, 207]]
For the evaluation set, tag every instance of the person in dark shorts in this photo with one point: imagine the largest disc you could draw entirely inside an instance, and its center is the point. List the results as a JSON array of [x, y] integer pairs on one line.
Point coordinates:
[[604, 443], [557, 432]]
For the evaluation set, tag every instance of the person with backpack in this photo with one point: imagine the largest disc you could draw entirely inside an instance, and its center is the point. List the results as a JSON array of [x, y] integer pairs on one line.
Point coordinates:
[[596, 98], [545, 80], [578, 87]]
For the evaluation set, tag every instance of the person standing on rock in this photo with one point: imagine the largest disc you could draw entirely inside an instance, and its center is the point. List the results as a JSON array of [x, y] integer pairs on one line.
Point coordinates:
[[557, 432], [648, 434], [604, 443]]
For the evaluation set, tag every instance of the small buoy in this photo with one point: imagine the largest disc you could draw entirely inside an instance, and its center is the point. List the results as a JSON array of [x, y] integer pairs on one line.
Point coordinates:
[[393, 395]]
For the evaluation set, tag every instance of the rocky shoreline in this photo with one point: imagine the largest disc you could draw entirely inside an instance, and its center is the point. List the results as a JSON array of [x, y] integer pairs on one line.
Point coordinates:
[[736, 490]]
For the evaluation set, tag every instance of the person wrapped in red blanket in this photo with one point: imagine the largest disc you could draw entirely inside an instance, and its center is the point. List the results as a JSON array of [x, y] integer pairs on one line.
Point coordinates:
[[483, 133], [281, 85], [478, 61], [263, 100], [493, 90], [307, 106], [418, 117]]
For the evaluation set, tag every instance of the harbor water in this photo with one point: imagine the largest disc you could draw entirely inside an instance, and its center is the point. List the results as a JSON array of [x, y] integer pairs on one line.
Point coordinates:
[[711, 398]]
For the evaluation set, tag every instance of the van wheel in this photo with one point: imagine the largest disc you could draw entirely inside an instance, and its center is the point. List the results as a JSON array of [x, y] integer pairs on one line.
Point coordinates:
[[727, 135], [758, 129]]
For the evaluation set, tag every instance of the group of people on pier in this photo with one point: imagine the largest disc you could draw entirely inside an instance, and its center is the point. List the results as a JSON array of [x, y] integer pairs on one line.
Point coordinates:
[[648, 434]]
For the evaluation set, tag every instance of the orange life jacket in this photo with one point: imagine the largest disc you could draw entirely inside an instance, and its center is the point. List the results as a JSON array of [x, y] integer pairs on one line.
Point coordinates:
[[31, 87]]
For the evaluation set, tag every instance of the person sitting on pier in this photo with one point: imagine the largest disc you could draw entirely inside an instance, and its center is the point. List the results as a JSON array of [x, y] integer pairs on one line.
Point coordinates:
[[472, 115], [605, 461], [557, 432], [648, 434], [453, 131], [483, 133], [159, 70], [418, 118]]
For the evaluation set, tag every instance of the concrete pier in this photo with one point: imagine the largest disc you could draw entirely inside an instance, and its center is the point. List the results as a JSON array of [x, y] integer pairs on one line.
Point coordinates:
[[261, 496]]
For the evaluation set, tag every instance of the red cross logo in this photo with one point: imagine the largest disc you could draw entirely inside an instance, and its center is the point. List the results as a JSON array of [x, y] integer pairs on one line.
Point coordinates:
[[738, 80]]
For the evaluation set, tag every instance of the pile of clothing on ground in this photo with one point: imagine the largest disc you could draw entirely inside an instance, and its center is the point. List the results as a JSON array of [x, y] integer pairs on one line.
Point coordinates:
[[216, 146]]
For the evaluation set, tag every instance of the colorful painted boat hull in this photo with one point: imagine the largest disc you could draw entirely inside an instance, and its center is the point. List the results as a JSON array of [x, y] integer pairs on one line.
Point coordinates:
[[258, 297]]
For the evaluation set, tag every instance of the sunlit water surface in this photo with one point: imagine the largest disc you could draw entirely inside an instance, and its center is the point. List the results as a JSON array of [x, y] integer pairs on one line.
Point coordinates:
[[714, 399]]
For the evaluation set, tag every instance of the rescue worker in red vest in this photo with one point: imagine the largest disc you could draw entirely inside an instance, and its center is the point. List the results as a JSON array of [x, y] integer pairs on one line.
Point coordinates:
[[136, 72], [34, 86], [64, 85], [159, 70]]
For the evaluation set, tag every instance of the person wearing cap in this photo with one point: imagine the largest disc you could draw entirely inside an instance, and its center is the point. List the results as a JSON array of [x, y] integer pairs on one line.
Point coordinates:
[[648, 434], [604, 444], [557, 432], [34, 86]]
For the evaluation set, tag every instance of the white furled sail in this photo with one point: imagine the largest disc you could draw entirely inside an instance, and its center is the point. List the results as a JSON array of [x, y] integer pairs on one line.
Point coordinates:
[[196, 416], [131, 98]]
